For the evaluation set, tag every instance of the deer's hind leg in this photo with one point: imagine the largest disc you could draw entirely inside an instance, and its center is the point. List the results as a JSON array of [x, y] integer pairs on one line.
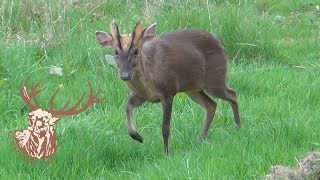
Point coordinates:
[[210, 107], [229, 95]]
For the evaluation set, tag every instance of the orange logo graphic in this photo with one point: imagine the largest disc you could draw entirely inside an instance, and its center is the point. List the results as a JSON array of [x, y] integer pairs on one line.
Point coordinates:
[[39, 140]]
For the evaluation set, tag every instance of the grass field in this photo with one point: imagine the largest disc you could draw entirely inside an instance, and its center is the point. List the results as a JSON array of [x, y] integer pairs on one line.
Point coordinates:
[[274, 64]]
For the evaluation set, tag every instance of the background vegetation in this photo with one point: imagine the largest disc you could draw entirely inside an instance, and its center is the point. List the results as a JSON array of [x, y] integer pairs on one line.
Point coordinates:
[[273, 48]]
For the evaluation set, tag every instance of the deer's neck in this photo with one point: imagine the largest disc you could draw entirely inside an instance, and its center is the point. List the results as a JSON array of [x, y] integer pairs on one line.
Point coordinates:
[[141, 84]]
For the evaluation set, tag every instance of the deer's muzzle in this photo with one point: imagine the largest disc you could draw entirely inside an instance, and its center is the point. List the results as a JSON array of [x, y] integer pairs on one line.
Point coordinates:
[[126, 76]]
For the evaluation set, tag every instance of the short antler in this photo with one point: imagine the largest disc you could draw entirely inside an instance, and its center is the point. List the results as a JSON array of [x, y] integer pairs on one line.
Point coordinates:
[[92, 99], [32, 95]]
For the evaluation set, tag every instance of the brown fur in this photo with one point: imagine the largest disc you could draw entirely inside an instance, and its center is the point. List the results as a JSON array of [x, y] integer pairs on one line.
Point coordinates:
[[191, 61]]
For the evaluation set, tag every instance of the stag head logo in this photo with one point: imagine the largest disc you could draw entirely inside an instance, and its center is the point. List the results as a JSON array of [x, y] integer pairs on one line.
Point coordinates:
[[39, 139]]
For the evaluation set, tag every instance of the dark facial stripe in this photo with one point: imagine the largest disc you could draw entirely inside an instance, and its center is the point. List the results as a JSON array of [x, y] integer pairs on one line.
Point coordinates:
[[118, 36], [133, 37]]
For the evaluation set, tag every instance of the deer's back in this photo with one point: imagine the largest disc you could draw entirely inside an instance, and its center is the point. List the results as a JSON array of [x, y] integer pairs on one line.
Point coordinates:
[[201, 40], [183, 60]]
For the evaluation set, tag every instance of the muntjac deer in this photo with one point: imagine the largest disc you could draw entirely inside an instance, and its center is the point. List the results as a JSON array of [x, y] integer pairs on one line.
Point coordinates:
[[157, 68]]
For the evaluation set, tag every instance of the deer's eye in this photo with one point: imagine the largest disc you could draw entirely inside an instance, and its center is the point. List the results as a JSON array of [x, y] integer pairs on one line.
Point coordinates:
[[116, 52], [135, 52]]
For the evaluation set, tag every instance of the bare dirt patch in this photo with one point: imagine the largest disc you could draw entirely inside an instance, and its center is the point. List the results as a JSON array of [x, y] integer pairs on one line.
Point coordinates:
[[307, 168]]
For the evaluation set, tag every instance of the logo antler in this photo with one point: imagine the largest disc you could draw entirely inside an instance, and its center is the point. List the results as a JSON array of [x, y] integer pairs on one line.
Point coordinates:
[[92, 99], [28, 96], [32, 95]]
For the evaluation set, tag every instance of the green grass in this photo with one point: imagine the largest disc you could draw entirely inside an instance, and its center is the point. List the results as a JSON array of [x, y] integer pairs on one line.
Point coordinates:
[[273, 64]]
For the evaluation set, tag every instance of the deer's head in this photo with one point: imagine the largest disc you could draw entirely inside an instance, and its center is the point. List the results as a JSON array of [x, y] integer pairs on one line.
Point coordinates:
[[127, 48], [40, 122]]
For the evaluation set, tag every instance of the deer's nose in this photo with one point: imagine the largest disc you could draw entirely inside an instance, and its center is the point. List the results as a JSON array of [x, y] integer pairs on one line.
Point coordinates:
[[126, 76]]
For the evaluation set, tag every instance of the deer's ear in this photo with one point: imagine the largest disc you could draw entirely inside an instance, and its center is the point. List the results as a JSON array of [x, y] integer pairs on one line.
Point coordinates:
[[53, 120], [104, 38], [150, 32]]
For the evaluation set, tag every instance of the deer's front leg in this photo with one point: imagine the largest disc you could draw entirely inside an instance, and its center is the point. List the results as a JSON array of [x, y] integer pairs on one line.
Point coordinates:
[[133, 102], [166, 118]]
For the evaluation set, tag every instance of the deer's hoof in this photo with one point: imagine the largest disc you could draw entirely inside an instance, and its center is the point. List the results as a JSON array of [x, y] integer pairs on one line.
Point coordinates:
[[166, 150], [238, 126], [201, 137], [136, 136]]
